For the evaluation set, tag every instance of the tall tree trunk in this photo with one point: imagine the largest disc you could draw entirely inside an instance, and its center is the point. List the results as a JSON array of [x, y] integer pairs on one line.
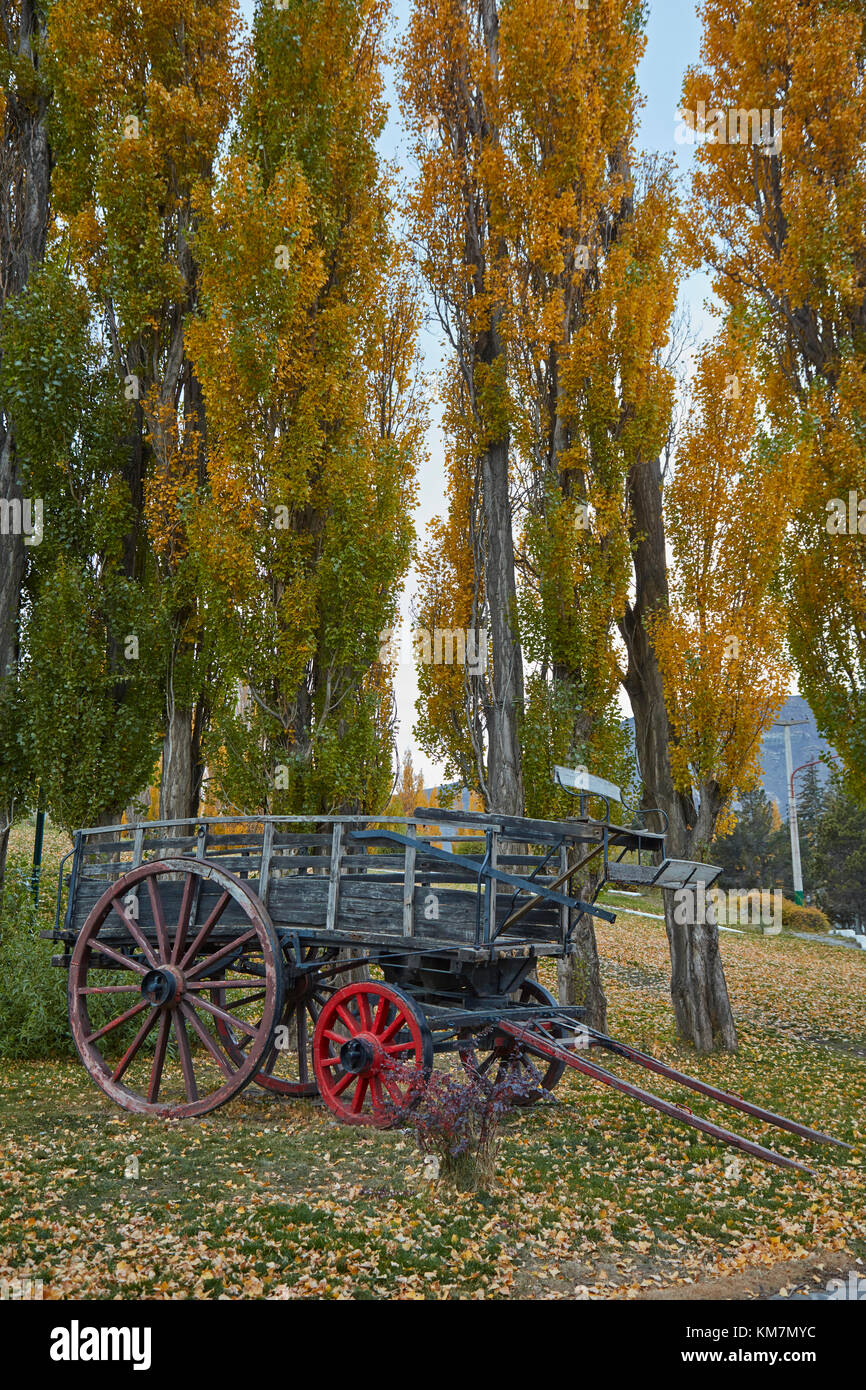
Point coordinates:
[[178, 798], [176, 794], [504, 776], [25, 182], [579, 973], [702, 1007]]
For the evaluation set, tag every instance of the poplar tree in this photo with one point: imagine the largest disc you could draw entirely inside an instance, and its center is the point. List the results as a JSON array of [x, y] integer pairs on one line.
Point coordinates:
[[451, 99], [306, 348], [779, 214], [142, 99], [25, 185]]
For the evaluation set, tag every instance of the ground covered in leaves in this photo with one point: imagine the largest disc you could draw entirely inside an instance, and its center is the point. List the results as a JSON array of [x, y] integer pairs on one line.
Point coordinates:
[[595, 1196]]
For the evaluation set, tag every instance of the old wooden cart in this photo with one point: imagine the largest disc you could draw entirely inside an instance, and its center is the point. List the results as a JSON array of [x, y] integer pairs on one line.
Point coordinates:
[[204, 955]]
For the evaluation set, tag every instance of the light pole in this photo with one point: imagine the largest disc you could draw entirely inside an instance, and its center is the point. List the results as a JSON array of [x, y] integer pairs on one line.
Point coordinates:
[[788, 725], [814, 762]]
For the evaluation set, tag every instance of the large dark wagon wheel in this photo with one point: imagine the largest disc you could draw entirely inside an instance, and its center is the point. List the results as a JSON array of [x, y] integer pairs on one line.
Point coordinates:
[[288, 1067], [162, 1052], [511, 1058], [373, 1053]]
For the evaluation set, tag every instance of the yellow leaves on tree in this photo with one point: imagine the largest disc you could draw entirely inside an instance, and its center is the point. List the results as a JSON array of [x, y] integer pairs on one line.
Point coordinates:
[[782, 223], [721, 644], [306, 350]]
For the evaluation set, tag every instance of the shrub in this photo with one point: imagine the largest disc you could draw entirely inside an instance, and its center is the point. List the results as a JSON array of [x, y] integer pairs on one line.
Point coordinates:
[[457, 1121], [33, 1017], [808, 919]]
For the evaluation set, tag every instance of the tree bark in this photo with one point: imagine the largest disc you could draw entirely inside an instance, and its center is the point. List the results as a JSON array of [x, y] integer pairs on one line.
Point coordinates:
[[504, 775], [504, 772], [699, 992], [579, 973], [25, 182]]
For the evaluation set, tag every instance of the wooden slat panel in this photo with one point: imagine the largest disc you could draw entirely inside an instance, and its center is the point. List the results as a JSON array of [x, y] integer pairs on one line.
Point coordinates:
[[631, 873], [265, 866], [491, 889], [409, 886], [334, 877]]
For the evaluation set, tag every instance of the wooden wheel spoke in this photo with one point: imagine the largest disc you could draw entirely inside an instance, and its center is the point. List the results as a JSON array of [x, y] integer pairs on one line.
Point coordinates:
[[116, 1022], [134, 1045], [158, 918], [205, 1038], [343, 1082], [183, 920], [394, 1048], [364, 1014], [125, 962], [393, 1027], [248, 999], [108, 989], [376, 1095], [349, 1021], [242, 982], [301, 1025], [360, 1094], [206, 930], [270, 1057], [381, 1014], [221, 954], [392, 1086], [135, 932], [159, 1057], [226, 1017], [183, 1048]]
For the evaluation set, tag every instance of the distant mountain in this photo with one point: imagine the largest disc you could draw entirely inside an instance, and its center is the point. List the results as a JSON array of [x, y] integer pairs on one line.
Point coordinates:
[[806, 745]]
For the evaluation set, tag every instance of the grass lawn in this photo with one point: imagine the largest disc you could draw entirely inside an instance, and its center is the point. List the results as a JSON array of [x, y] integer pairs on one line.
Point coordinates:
[[595, 1195]]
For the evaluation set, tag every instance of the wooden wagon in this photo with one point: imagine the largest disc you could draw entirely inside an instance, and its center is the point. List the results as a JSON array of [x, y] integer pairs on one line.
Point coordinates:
[[337, 957]]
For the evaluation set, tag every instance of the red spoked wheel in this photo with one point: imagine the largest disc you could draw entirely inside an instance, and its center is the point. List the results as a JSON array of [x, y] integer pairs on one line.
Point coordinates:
[[142, 979], [288, 1067], [510, 1057], [373, 1053]]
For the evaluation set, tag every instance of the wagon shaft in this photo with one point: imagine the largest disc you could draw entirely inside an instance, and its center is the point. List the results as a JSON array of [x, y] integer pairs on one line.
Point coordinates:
[[725, 1097], [542, 1046]]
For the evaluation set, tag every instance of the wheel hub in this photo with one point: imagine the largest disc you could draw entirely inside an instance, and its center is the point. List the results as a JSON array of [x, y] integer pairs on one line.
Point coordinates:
[[161, 986], [360, 1055]]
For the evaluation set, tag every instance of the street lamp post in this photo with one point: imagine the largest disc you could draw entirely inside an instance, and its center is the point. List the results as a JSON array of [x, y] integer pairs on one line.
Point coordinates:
[[787, 725]]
